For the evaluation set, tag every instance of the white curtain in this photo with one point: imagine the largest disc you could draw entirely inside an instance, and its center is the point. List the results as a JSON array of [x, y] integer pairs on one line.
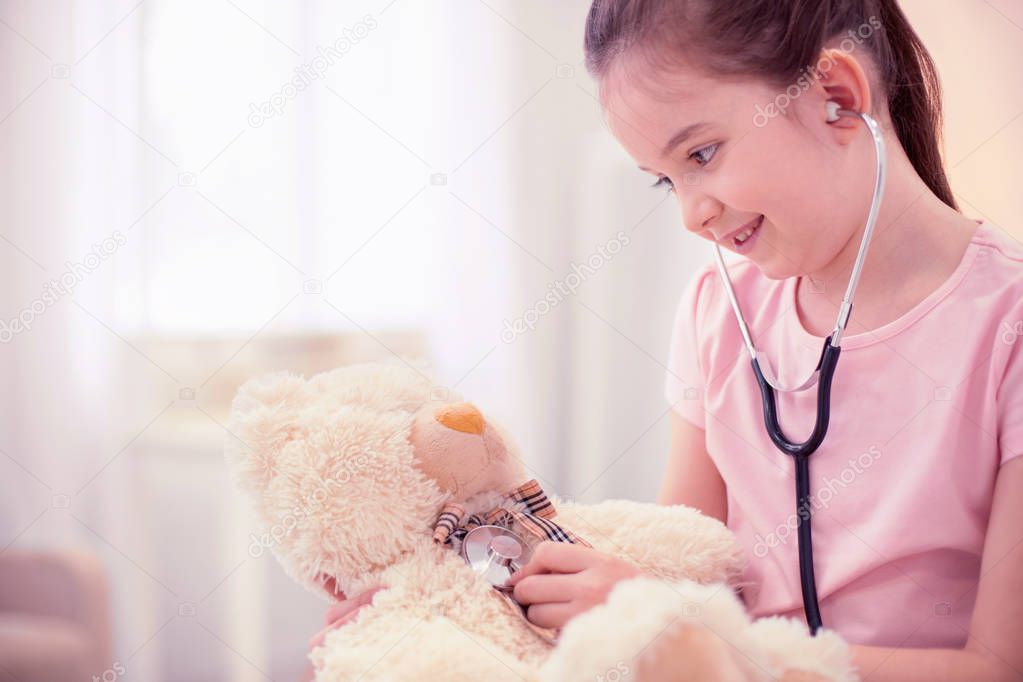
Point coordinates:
[[439, 170]]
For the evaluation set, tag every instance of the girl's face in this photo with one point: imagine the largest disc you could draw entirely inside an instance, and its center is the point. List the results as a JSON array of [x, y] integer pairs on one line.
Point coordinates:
[[739, 164]]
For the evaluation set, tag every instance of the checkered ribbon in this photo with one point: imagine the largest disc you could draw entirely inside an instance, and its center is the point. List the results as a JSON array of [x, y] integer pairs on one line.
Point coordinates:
[[528, 505]]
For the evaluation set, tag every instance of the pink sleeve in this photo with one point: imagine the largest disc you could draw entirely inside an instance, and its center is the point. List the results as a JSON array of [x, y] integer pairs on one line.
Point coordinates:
[[1010, 402], [684, 380]]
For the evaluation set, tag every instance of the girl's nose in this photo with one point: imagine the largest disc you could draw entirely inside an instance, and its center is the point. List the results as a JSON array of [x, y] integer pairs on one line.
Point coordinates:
[[699, 212], [463, 417]]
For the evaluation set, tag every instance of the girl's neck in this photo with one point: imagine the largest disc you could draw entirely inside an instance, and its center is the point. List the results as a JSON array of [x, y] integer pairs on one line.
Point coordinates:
[[917, 243]]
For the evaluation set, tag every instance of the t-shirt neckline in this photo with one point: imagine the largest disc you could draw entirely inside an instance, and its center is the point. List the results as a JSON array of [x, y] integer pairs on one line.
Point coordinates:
[[892, 328]]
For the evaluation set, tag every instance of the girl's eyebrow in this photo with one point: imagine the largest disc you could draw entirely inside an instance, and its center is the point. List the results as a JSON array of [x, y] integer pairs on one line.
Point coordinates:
[[680, 137]]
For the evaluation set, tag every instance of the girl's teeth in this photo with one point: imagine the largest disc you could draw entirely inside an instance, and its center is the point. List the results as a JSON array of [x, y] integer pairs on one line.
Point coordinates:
[[745, 234]]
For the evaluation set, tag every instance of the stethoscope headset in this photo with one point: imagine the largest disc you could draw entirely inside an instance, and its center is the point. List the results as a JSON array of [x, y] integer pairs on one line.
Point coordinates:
[[822, 376]]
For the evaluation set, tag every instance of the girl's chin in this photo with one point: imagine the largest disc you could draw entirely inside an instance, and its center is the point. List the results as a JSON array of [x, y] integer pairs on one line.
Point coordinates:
[[772, 269], [770, 274]]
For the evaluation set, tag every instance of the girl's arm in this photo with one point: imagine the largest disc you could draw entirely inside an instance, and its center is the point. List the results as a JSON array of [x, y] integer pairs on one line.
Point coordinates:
[[994, 650], [690, 477]]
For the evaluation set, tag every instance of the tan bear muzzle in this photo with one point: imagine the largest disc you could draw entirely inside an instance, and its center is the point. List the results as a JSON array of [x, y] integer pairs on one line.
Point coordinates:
[[462, 417]]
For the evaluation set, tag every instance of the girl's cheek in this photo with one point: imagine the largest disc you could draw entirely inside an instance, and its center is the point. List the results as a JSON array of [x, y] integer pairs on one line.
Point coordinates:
[[744, 187]]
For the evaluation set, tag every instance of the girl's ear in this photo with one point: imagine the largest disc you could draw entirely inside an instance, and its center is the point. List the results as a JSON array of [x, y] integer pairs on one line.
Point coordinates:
[[844, 82]]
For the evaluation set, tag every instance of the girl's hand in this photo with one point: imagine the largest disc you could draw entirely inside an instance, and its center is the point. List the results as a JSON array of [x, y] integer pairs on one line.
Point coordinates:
[[562, 580], [343, 612]]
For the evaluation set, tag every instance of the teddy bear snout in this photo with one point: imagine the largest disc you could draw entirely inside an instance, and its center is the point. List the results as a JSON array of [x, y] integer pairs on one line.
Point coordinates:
[[464, 417]]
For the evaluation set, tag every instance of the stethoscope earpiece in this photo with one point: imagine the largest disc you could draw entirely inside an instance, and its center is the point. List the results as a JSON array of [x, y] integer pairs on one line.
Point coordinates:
[[832, 106]]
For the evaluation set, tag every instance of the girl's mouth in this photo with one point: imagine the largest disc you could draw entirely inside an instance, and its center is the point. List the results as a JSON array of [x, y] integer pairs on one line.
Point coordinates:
[[746, 238]]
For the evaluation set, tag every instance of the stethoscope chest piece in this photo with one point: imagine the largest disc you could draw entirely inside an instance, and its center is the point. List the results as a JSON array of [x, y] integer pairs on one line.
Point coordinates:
[[494, 553]]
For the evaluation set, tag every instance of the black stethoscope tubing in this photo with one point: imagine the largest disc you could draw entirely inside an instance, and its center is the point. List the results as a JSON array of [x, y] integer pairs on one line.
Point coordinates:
[[801, 452]]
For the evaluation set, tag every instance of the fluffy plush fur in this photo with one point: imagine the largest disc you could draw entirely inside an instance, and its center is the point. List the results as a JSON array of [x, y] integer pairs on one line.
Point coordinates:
[[348, 472]]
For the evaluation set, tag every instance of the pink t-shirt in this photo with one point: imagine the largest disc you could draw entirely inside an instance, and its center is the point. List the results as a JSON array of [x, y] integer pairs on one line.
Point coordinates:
[[924, 411]]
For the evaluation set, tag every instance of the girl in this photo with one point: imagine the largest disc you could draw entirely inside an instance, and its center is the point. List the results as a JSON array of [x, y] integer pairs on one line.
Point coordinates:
[[917, 491]]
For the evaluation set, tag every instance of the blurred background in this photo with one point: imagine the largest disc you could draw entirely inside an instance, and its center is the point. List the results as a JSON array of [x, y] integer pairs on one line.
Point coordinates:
[[193, 193]]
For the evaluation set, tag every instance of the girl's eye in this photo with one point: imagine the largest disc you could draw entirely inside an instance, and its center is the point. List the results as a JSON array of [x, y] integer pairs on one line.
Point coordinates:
[[664, 181], [700, 155]]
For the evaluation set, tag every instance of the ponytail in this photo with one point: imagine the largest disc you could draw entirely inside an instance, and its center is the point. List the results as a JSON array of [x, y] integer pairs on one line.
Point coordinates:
[[914, 97]]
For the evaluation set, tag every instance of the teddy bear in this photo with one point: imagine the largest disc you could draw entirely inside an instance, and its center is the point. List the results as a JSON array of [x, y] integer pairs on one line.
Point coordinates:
[[373, 474]]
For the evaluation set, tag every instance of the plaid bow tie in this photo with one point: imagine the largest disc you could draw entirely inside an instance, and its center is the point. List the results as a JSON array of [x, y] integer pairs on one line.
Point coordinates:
[[528, 505]]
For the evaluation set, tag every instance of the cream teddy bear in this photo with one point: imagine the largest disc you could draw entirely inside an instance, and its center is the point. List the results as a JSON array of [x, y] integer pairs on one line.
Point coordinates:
[[373, 475]]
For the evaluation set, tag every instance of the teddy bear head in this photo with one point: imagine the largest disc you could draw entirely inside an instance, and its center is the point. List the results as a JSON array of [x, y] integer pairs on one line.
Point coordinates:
[[349, 469]]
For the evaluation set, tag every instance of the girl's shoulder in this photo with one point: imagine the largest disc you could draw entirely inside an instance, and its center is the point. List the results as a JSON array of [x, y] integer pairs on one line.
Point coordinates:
[[989, 281], [999, 255]]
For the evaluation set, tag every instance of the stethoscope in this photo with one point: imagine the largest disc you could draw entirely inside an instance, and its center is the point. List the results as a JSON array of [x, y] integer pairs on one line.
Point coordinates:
[[822, 376]]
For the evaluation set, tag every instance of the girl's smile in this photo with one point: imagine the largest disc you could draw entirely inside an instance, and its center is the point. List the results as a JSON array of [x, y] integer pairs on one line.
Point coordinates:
[[745, 238]]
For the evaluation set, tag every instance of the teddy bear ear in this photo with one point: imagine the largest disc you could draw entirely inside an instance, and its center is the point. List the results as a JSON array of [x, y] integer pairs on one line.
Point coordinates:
[[265, 416]]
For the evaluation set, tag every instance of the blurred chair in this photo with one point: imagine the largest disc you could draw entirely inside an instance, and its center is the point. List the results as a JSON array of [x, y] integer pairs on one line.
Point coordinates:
[[54, 617]]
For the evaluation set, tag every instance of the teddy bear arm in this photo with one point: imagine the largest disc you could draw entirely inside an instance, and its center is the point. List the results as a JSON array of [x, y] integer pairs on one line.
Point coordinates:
[[651, 630], [801, 657], [668, 542]]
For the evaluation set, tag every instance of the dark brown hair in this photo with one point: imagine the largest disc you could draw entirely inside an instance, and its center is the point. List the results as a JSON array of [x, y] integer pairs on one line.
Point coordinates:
[[779, 41]]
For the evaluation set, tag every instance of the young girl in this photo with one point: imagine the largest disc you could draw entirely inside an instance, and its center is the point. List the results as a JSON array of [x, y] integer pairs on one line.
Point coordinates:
[[917, 490]]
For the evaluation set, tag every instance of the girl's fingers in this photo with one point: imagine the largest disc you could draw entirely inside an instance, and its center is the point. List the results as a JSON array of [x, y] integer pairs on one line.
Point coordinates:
[[551, 615], [317, 639], [545, 588], [343, 612], [554, 557], [320, 636], [330, 585], [366, 596], [338, 610], [342, 608]]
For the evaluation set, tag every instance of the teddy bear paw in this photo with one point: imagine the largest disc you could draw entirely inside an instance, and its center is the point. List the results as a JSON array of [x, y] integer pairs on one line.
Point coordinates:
[[689, 651]]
